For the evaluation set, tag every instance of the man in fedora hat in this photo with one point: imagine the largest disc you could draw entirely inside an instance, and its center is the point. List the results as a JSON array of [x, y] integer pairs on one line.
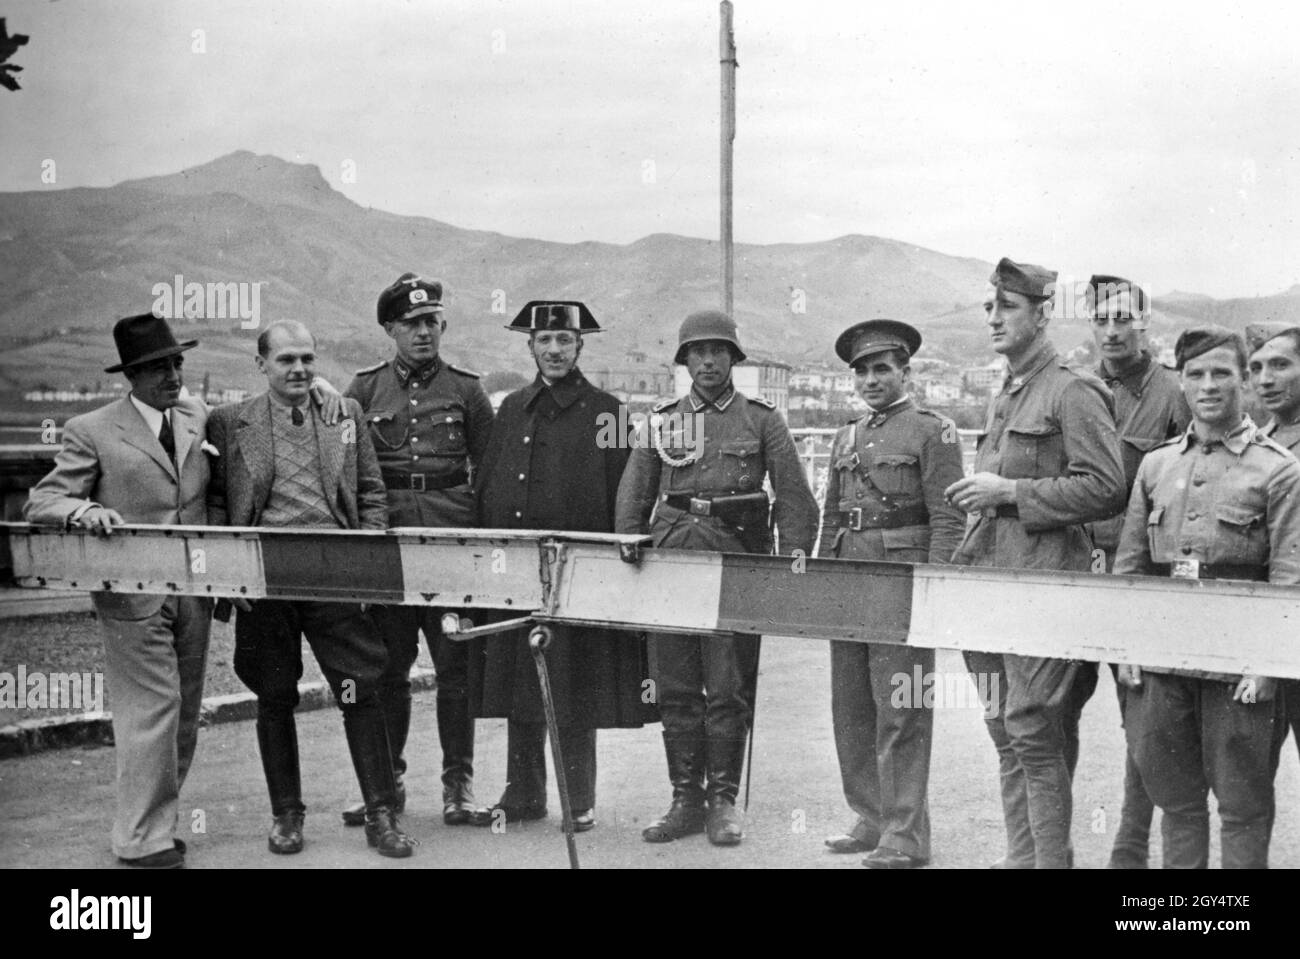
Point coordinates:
[[885, 502], [139, 460], [548, 467]]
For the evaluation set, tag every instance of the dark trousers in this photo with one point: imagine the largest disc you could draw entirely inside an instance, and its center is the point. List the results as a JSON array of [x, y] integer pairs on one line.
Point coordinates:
[[1188, 737], [1133, 837], [268, 659], [884, 744], [1028, 700], [526, 765], [400, 628], [704, 685]]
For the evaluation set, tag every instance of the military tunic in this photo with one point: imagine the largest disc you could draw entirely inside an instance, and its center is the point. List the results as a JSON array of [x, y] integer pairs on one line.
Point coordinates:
[[1051, 430], [1233, 507], [1149, 409], [430, 428], [1288, 436], [724, 446], [888, 474]]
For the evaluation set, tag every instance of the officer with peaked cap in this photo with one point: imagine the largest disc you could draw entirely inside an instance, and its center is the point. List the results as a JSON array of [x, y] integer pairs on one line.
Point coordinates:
[[1149, 409], [695, 481], [1048, 462], [885, 501], [1221, 501], [549, 466], [430, 422]]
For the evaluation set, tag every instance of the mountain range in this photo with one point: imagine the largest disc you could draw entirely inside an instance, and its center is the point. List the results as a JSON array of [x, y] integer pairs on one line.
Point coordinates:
[[73, 260]]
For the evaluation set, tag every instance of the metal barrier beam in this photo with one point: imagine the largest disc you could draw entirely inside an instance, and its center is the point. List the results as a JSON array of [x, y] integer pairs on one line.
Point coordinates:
[[1230, 627]]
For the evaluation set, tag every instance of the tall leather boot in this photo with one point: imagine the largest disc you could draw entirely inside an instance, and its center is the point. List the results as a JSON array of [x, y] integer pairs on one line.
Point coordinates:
[[456, 734], [726, 762], [277, 741], [397, 720], [685, 817], [368, 744]]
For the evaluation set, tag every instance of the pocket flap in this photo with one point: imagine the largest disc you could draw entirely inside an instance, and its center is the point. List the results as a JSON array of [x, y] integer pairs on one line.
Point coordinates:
[[894, 459], [1238, 515], [1156, 516], [1034, 429], [381, 417], [1143, 444], [740, 448], [447, 416]]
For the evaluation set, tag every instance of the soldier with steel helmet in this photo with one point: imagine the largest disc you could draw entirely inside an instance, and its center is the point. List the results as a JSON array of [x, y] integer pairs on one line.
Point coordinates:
[[547, 467], [695, 481], [430, 422], [885, 501]]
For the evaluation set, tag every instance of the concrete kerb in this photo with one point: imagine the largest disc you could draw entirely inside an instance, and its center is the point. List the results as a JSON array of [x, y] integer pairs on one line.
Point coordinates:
[[96, 729]]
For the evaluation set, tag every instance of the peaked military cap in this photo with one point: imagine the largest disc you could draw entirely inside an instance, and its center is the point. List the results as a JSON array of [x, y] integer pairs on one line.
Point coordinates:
[[1027, 279], [1113, 297], [876, 336], [409, 296], [1201, 339], [540, 315]]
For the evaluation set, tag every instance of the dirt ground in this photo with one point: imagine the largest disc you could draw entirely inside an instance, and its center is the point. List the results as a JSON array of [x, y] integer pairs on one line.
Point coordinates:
[[56, 807]]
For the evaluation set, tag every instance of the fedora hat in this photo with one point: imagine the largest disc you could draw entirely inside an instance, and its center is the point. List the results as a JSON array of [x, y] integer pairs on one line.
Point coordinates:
[[144, 338]]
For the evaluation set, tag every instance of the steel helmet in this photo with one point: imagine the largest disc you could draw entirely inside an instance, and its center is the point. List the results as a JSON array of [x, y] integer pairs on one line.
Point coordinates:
[[707, 325]]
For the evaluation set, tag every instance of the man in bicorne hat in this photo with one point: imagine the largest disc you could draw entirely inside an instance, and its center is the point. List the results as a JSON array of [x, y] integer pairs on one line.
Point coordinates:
[[547, 467]]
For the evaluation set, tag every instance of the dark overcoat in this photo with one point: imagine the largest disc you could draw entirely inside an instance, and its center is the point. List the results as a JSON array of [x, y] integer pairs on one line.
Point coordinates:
[[554, 463]]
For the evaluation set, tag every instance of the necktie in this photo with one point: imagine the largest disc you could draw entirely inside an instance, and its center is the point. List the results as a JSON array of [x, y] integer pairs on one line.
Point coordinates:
[[295, 414], [166, 438]]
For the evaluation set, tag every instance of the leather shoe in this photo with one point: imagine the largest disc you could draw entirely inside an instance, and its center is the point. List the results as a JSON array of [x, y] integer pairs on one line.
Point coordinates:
[[583, 820], [355, 815], [286, 834], [383, 833], [682, 819], [882, 857], [458, 807], [511, 813], [848, 843], [179, 845], [166, 859], [724, 823]]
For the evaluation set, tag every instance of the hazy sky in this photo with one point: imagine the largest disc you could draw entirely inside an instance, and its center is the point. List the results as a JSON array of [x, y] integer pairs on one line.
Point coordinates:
[[1138, 139]]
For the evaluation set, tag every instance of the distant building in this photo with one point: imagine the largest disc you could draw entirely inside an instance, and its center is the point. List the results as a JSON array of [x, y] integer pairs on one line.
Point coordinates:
[[635, 381], [804, 402], [758, 376], [937, 391], [982, 379]]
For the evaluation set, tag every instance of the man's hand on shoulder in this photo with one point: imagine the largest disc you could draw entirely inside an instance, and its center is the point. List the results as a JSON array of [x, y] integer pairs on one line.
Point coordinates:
[[329, 400]]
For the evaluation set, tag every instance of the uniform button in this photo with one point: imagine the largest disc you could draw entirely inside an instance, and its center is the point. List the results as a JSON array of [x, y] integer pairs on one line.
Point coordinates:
[[521, 476], [413, 421], [449, 419], [518, 515], [1186, 550], [415, 457], [527, 439], [413, 402], [1193, 516], [1198, 480]]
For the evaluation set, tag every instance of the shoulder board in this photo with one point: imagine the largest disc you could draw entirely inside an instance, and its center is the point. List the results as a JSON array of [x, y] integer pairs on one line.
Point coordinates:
[[462, 371], [943, 420], [663, 405], [761, 402], [371, 369]]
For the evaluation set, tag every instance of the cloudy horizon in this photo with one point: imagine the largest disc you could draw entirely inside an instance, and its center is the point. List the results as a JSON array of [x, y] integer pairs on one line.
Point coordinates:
[[1150, 143]]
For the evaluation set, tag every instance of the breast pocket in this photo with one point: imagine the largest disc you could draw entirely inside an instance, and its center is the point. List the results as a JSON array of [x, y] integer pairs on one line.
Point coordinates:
[[896, 473], [388, 430], [1157, 536], [1240, 536], [447, 433], [1032, 450], [741, 465]]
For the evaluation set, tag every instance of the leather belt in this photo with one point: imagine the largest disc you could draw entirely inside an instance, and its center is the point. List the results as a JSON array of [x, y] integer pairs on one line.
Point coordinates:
[[422, 482], [853, 519], [1258, 574], [1008, 512], [731, 508]]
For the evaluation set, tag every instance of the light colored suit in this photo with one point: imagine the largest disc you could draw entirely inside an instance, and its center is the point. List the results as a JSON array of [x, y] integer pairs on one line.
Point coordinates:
[[350, 477], [155, 646]]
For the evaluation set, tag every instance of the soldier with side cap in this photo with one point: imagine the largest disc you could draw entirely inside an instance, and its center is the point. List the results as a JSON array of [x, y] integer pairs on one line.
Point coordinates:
[[1149, 409], [885, 501], [695, 481], [1275, 373], [1048, 462], [430, 422], [1222, 501]]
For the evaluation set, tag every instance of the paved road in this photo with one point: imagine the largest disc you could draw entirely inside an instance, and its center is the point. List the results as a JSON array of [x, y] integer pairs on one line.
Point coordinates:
[[55, 808]]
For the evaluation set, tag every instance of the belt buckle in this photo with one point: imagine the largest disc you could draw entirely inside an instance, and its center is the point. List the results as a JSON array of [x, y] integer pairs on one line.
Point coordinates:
[[418, 487], [855, 519], [1185, 569], [701, 506]]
